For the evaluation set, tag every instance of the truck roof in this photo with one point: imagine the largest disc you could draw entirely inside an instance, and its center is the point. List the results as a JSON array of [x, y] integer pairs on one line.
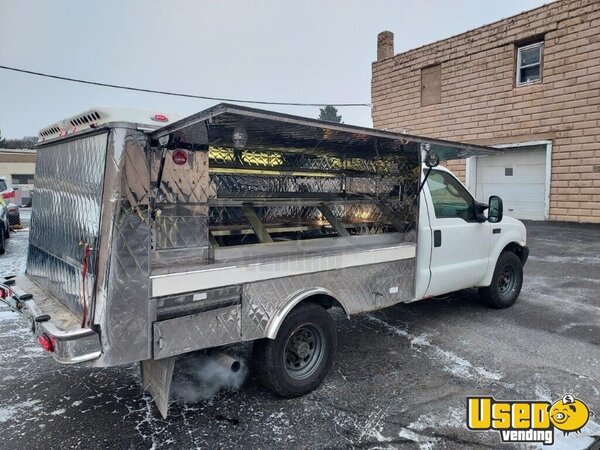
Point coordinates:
[[96, 117]]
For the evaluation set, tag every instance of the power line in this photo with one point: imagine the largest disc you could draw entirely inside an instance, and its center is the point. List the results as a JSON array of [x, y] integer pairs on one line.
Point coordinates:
[[177, 94]]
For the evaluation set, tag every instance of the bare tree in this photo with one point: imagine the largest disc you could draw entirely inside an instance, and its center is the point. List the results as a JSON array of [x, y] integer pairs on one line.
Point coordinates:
[[25, 142]]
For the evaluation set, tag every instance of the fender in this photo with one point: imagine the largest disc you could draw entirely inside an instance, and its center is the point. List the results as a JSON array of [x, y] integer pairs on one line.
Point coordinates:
[[293, 300], [511, 233]]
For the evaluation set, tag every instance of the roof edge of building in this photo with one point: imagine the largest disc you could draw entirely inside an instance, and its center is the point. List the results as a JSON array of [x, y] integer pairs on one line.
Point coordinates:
[[465, 34]]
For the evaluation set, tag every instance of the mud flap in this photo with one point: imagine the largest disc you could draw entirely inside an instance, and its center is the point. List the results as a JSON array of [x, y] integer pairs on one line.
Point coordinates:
[[156, 379]]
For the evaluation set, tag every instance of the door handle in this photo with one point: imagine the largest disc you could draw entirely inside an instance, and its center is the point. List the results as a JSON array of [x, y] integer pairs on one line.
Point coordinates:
[[437, 238]]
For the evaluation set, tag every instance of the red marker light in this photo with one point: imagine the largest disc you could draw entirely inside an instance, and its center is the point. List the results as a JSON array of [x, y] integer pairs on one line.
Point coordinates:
[[159, 118], [46, 343], [179, 157]]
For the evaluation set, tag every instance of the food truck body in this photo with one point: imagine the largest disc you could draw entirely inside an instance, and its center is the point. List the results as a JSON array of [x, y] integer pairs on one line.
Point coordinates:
[[151, 238]]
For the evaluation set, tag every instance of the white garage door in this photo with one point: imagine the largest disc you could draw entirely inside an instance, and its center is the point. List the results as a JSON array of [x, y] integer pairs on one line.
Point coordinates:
[[518, 176]]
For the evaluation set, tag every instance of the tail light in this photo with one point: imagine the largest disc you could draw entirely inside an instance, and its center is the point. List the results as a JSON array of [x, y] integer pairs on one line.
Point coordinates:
[[10, 194], [46, 343]]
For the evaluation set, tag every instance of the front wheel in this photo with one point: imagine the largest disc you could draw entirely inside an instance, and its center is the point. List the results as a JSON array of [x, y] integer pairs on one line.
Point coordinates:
[[506, 282], [299, 358]]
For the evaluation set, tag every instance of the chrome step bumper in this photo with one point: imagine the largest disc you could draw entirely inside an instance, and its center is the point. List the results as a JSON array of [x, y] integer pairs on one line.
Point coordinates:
[[46, 316]]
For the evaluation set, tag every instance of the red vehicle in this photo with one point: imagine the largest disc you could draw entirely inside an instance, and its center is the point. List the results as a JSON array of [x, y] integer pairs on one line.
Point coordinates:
[[6, 189]]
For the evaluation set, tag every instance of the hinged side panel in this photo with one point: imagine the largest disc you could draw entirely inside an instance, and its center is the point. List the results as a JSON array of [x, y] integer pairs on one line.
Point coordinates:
[[124, 312], [66, 218]]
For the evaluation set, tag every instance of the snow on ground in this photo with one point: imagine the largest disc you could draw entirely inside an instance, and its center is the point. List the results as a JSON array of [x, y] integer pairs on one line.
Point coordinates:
[[399, 379]]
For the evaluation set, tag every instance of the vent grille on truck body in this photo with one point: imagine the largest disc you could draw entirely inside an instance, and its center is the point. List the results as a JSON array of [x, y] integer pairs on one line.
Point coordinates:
[[96, 117]]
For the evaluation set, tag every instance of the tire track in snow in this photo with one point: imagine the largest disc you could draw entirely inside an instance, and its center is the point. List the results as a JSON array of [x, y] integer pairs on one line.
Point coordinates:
[[453, 363]]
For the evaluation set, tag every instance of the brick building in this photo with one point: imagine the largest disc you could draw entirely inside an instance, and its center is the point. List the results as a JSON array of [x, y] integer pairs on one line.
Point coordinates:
[[529, 83]]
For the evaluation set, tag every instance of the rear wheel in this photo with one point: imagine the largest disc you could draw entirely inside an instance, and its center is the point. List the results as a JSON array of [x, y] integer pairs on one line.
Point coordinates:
[[299, 358], [506, 282]]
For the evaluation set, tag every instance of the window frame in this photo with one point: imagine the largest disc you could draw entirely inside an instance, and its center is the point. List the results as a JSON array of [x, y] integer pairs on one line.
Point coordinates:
[[17, 176], [520, 48], [473, 199], [438, 94]]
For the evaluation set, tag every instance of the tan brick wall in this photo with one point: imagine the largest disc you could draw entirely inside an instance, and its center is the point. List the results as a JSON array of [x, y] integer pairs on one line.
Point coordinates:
[[480, 103]]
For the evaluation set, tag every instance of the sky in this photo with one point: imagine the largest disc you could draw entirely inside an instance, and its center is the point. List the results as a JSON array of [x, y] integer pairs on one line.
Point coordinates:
[[277, 50]]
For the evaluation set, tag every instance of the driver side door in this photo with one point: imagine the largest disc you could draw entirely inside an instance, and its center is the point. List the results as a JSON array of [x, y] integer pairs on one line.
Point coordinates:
[[460, 243]]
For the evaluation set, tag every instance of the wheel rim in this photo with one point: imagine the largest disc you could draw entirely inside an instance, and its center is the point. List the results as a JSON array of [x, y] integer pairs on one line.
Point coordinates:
[[506, 280], [304, 351]]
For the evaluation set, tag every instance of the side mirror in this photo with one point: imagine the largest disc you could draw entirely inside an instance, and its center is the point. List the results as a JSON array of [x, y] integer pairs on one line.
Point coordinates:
[[495, 211], [432, 160]]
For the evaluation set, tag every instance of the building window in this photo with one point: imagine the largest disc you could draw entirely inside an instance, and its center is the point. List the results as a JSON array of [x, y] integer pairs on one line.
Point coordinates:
[[431, 85], [508, 172], [529, 63], [22, 178]]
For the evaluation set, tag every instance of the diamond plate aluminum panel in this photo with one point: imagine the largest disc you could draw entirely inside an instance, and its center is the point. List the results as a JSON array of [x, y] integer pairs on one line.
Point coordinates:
[[123, 310], [358, 289], [277, 160], [181, 207], [225, 215], [66, 214], [156, 379], [181, 227], [186, 183], [370, 185], [60, 278], [226, 184], [203, 330]]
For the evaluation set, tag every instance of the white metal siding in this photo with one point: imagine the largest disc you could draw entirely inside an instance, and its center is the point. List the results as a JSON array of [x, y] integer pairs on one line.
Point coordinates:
[[524, 192]]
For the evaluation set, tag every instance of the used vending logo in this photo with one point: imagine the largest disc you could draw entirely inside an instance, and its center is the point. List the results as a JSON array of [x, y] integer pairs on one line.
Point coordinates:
[[527, 421]]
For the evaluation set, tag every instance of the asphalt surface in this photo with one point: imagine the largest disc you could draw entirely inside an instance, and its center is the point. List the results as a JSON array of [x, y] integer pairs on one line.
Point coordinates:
[[399, 380]]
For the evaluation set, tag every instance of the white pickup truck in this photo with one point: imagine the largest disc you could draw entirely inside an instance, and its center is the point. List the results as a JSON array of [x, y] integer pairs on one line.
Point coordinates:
[[152, 237]]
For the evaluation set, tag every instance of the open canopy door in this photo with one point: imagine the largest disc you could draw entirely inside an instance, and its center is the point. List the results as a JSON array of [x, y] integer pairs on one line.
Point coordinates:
[[242, 127]]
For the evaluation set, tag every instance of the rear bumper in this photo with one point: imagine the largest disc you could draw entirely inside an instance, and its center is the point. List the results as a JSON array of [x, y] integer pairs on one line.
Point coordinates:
[[72, 344]]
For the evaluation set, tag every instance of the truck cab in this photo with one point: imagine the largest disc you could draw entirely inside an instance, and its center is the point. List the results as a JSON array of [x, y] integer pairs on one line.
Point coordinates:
[[459, 245]]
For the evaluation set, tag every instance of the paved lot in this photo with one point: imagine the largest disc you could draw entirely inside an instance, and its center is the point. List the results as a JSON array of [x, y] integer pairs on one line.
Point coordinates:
[[399, 380]]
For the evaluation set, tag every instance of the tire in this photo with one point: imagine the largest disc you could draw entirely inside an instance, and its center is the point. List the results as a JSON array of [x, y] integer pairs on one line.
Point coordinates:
[[299, 358], [506, 282], [7, 232], [2, 242]]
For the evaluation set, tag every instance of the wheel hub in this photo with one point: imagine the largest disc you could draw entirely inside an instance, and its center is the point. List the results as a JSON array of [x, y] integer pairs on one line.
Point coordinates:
[[506, 279], [304, 351]]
